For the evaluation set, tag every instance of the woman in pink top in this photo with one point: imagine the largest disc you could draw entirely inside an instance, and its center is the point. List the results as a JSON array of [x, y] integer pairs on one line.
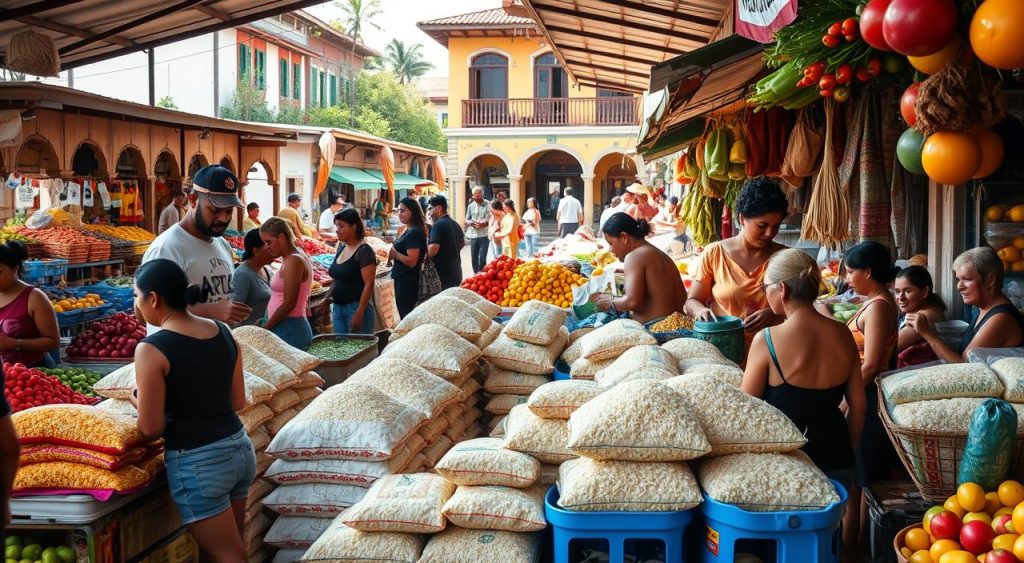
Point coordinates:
[[28, 324], [289, 288]]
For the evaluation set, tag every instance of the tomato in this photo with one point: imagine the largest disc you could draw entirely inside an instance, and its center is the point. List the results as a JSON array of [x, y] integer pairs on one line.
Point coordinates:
[[841, 94], [827, 82], [862, 74], [844, 74], [919, 27], [825, 93], [995, 32], [849, 26], [874, 67], [951, 157], [830, 41], [870, 24], [835, 29], [908, 101]]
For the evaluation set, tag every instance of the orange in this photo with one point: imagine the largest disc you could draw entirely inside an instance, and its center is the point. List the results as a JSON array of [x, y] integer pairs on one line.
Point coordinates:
[[917, 539], [992, 151], [995, 33], [994, 213], [958, 556], [921, 557], [953, 505], [1016, 214], [992, 503], [1008, 254], [1011, 493], [930, 64], [951, 157], [1017, 266], [1018, 519], [943, 546], [1005, 541], [1018, 548]]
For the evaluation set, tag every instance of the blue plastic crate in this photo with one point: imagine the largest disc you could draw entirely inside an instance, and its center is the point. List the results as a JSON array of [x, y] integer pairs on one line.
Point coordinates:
[[617, 528], [47, 268], [561, 370], [793, 537], [69, 318]]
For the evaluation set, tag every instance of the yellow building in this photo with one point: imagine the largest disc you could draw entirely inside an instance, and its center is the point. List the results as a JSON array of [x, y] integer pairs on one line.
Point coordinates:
[[516, 124]]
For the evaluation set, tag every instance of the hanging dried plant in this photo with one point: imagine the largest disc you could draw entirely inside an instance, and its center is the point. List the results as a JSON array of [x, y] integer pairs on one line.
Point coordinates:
[[828, 214], [961, 96]]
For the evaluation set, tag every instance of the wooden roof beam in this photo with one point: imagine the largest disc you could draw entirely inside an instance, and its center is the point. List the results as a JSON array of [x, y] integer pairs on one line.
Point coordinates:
[[73, 31], [34, 8], [212, 12], [540, 7], [184, 4], [672, 14], [644, 75], [615, 40], [599, 53]]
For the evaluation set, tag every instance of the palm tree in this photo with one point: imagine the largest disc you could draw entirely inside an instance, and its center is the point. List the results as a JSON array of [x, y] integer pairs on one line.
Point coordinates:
[[406, 61], [358, 14]]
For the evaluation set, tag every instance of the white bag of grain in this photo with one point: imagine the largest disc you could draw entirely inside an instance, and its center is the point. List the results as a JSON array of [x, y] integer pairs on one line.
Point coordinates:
[[611, 340], [608, 377], [456, 545], [501, 381], [591, 485], [486, 307], [341, 544], [573, 352], [120, 406], [692, 349], [257, 390], [255, 416], [1011, 373], [409, 383], [283, 400], [639, 357], [313, 499], [766, 482], [946, 415], [501, 404], [488, 336], [536, 322], [544, 439], [523, 357], [275, 424], [434, 452], [309, 379], [266, 368], [260, 439], [296, 531], [944, 381], [118, 384], [402, 503], [637, 421], [454, 314], [727, 374], [340, 471], [558, 399], [587, 369], [686, 365], [436, 349], [489, 507], [348, 421], [497, 427], [733, 421], [271, 344], [575, 335], [485, 461], [288, 555], [471, 416], [455, 429]]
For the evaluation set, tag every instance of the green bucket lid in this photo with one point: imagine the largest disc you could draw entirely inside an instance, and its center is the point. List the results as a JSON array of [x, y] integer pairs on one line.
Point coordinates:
[[723, 324]]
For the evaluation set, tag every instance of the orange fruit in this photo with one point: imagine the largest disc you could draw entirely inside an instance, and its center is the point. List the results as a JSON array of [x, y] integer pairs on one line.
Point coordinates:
[[952, 504], [943, 546], [1009, 254], [917, 539], [958, 556], [930, 64], [1010, 492], [1016, 214], [1018, 519], [951, 157], [992, 503], [921, 557], [1018, 548], [994, 213], [1005, 541]]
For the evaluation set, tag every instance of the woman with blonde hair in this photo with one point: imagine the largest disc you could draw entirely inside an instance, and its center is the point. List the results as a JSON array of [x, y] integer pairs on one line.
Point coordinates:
[[289, 288]]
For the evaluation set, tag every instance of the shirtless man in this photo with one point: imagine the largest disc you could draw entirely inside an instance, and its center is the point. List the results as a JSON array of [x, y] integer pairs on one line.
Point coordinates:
[[654, 289]]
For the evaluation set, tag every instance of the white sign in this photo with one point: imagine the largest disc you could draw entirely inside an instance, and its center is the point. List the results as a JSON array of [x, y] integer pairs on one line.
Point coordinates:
[[760, 19]]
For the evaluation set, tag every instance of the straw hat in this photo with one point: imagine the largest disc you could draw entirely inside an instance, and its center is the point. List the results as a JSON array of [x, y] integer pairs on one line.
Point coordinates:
[[638, 188]]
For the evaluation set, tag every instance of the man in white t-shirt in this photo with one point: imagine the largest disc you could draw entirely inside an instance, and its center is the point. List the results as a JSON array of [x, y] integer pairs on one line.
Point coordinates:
[[326, 227], [570, 214], [172, 213], [196, 245]]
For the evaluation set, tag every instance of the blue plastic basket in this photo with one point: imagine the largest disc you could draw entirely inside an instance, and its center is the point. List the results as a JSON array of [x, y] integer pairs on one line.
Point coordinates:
[[69, 318], [561, 370], [47, 268]]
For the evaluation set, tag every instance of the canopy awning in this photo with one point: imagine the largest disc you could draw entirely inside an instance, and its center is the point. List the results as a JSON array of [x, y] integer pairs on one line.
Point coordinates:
[[359, 178], [403, 181]]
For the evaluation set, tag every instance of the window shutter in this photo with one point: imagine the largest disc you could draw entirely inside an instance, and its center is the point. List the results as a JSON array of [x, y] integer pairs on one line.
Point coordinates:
[[284, 78], [243, 60], [261, 70], [334, 90], [323, 89], [297, 81], [314, 83]]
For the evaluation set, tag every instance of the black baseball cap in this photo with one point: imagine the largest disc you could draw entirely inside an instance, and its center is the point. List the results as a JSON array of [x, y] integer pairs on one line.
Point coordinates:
[[294, 197], [218, 184]]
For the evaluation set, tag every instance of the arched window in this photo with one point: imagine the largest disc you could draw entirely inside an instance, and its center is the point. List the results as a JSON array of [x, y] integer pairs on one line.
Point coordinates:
[[549, 79], [488, 77]]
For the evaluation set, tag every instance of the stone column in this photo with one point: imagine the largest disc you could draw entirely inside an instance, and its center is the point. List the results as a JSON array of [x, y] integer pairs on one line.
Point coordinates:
[[459, 201], [588, 199], [515, 192]]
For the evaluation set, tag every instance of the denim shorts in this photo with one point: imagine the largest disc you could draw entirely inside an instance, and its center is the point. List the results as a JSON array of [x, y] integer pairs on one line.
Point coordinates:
[[295, 331], [204, 480], [341, 317]]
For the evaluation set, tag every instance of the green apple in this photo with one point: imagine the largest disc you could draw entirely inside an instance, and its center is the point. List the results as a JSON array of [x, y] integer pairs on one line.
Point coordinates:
[[66, 554], [50, 555], [10, 561], [12, 552], [32, 551], [12, 540], [26, 561]]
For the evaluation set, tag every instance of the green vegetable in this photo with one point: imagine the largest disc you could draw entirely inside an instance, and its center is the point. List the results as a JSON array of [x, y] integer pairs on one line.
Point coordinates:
[[777, 86], [78, 379], [338, 349]]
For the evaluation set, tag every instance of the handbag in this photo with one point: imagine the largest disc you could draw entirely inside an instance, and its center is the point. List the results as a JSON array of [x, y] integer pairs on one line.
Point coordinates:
[[430, 281]]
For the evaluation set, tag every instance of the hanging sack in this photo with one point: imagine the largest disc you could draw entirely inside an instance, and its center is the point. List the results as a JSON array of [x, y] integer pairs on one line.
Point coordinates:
[[991, 438], [738, 150], [716, 154], [805, 144]]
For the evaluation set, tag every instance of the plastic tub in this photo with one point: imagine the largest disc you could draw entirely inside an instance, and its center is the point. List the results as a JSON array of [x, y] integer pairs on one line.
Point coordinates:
[[726, 334], [561, 371], [337, 371]]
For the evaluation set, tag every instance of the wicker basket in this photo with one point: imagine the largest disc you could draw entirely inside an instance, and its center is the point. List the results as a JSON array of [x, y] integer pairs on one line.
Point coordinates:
[[932, 457], [898, 541]]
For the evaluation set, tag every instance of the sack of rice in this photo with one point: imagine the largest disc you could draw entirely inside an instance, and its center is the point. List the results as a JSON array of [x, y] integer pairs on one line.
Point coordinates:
[[436, 349], [257, 492], [733, 421], [454, 314], [402, 503], [488, 336], [608, 377], [523, 357], [409, 383], [340, 471], [456, 545], [640, 357], [455, 429], [307, 394], [588, 369], [687, 365], [611, 340], [469, 390], [544, 439], [548, 474], [70, 475], [944, 381], [257, 390], [348, 421], [433, 453], [255, 416], [283, 400], [260, 439], [637, 421], [118, 384], [590, 485], [769, 482], [536, 322], [727, 374], [486, 307], [558, 399], [266, 368], [575, 335], [274, 425], [271, 344], [489, 507], [472, 432], [296, 531], [501, 404], [119, 406], [573, 352], [485, 461], [471, 416], [341, 544], [436, 427], [313, 499], [501, 382], [692, 349], [946, 415], [309, 379], [1011, 373]]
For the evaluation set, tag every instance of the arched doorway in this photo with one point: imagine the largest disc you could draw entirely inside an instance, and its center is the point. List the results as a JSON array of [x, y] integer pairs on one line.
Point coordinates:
[[612, 173], [259, 190], [197, 161], [227, 163], [88, 161], [549, 172], [490, 173], [128, 189], [36, 156], [168, 180]]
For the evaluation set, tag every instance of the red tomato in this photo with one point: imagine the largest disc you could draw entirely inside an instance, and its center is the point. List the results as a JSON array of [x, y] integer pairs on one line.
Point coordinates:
[[919, 27], [907, 102]]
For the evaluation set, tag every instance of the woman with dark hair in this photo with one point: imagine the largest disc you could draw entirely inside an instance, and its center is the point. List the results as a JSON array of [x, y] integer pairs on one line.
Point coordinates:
[[509, 232], [28, 323], [290, 286], [210, 460], [408, 253], [353, 271], [654, 289], [915, 294], [251, 281], [731, 273], [531, 226]]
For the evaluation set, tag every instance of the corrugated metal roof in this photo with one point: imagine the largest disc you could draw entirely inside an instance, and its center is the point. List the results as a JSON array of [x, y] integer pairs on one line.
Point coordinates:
[[496, 16]]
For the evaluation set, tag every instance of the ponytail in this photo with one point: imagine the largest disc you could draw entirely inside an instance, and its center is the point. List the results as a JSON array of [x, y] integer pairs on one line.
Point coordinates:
[[798, 271], [166, 279], [622, 223]]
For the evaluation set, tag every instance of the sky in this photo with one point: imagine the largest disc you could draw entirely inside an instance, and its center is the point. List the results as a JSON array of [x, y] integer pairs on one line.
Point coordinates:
[[398, 21]]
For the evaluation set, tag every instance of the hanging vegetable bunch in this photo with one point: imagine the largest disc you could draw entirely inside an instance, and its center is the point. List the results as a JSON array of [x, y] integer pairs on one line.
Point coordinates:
[[716, 163]]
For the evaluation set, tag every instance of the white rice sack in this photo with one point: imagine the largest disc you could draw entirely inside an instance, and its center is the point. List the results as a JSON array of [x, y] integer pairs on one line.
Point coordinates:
[[548, 474], [454, 314], [735, 422], [461, 293], [497, 508], [769, 482], [611, 340], [409, 383], [514, 355], [274, 425], [296, 531], [255, 416], [586, 369], [402, 503], [341, 544], [468, 391], [118, 384], [501, 381], [260, 439], [270, 344], [341, 471], [536, 322], [558, 399], [313, 499], [637, 421], [727, 374], [485, 461], [258, 391], [266, 368], [544, 439], [946, 415], [488, 336], [692, 349], [283, 400], [580, 333], [686, 365], [608, 377], [591, 485], [288, 555], [458, 545], [309, 379], [434, 452], [502, 404], [120, 406], [1011, 373], [348, 421], [435, 349], [944, 381], [639, 357], [574, 351]]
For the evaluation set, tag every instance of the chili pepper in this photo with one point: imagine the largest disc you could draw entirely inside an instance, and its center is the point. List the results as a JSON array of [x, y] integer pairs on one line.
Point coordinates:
[[862, 74], [827, 82], [850, 26], [844, 74], [830, 41], [841, 94], [874, 67], [835, 29]]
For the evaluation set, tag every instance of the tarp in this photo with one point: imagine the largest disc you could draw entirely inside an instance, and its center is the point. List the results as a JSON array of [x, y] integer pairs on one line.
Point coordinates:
[[359, 178], [403, 181]]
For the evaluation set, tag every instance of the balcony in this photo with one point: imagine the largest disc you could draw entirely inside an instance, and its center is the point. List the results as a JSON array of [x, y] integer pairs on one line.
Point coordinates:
[[550, 112]]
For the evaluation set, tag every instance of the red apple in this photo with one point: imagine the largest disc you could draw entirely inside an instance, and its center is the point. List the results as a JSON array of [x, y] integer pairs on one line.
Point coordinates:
[[945, 526], [975, 536], [1003, 524], [1000, 556]]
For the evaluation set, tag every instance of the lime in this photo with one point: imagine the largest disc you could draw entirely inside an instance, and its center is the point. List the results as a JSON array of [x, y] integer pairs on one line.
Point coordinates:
[[32, 551], [12, 552], [66, 554], [12, 540]]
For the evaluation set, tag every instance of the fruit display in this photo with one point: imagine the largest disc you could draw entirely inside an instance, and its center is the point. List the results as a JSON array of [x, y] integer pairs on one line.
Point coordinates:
[[115, 337], [66, 242], [8, 236], [20, 550], [71, 303], [133, 234], [120, 281], [313, 247], [29, 387], [1005, 233], [492, 281], [972, 526], [550, 283], [78, 379]]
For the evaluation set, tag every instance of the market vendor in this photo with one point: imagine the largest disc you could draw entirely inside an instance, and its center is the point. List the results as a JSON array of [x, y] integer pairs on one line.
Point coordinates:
[[729, 280], [291, 215], [653, 288], [28, 323], [328, 231], [979, 279], [915, 294], [252, 217], [642, 208]]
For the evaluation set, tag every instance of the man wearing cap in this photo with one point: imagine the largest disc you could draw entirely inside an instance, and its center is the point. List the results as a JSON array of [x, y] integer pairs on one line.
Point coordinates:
[[252, 217], [328, 230], [291, 215], [570, 214], [196, 244], [642, 209]]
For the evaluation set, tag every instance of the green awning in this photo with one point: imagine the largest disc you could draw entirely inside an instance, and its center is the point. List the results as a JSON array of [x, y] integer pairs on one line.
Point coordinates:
[[359, 178], [403, 181]]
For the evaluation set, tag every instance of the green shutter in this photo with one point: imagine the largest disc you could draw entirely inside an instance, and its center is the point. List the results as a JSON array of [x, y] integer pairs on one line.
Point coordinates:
[[323, 89], [314, 83], [284, 78], [297, 81], [334, 90], [243, 60], [261, 70]]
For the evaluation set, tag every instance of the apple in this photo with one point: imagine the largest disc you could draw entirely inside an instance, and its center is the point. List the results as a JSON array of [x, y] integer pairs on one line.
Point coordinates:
[[1000, 556], [1003, 524], [975, 536], [945, 526]]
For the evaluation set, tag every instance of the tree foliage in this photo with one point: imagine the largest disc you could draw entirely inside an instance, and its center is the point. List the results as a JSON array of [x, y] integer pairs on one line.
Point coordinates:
[[167, 102], [406, 61]]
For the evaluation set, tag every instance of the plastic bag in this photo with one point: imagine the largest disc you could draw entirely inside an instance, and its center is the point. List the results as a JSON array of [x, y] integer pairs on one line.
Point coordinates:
[[992, 355], [991, 438], [39, 220]]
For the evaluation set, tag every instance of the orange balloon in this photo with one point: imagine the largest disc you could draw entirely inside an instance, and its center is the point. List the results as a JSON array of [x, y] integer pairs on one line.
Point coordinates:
[[992, 151], [951, 157], [930, 64]]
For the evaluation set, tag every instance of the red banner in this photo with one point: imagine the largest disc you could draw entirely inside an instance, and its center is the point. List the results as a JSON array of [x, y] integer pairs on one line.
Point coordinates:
[[760, 19]]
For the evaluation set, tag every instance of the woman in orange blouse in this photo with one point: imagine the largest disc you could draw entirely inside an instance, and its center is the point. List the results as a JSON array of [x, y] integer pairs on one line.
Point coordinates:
[[731, 273]]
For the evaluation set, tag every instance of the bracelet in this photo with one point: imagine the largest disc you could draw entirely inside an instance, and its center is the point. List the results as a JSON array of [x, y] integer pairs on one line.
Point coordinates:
[[17, 345]]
